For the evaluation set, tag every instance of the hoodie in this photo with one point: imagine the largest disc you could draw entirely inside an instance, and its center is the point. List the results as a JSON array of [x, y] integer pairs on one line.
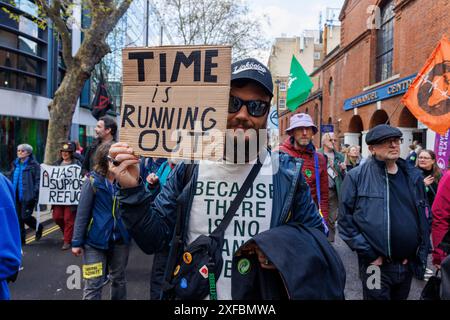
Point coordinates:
[[10, 245]]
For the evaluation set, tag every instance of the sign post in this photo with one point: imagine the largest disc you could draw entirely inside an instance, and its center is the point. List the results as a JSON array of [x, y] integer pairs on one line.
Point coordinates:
[[326, 128]]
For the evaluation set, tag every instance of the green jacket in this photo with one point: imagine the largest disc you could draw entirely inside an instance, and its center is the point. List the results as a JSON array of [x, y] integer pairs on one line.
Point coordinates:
[[338, 158]]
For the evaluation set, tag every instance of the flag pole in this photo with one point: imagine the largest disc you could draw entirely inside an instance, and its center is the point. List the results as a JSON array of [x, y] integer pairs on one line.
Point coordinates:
[[395, 110]]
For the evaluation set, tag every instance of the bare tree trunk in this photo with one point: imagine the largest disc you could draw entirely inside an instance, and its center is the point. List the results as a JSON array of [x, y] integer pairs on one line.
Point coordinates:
[[104, 16], [63, 106], [61, 110]]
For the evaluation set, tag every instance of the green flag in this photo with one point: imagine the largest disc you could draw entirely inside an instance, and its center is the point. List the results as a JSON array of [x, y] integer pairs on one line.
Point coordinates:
[[299, 85]]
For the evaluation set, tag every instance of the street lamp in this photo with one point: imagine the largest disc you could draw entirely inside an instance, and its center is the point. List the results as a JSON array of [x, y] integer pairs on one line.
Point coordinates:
[[277, 82]]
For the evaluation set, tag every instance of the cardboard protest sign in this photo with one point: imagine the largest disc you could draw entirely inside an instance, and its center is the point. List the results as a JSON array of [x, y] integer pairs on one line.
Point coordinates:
[[175, 101], [60, 185]]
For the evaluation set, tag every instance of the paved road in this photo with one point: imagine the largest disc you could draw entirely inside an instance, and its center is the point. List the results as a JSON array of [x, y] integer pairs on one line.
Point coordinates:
[[45, 265], [353, 286]]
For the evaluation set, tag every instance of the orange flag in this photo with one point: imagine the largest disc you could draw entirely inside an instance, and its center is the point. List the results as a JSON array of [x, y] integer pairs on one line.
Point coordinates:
[[428, 97]]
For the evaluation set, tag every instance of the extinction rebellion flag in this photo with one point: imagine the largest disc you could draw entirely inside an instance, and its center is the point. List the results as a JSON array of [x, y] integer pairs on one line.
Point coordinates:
[[101, 103], [428, 97]]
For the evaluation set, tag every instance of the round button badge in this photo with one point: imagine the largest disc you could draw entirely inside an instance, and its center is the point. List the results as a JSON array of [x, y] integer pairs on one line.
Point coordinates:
[[187, 258], [243, 266], [177, 269]]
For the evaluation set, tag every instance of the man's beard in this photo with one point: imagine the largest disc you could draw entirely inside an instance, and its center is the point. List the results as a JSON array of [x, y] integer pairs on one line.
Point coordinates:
[[303, 142], [243, 147], [244, 144]]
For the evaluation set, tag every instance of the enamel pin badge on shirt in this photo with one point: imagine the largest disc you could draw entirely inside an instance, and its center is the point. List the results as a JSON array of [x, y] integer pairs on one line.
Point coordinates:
[[204, 272], [243, 266]]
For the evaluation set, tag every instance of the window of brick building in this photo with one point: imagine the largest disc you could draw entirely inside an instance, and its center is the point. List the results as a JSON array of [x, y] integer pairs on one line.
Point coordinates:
[[385, 42], [316, 114], [330, 86]]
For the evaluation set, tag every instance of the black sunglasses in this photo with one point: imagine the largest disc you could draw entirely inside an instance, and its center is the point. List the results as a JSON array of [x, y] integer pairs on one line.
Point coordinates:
[[256, 108]]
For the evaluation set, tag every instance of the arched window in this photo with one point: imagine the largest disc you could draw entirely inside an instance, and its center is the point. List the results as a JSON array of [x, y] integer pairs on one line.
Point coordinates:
[[385, 42], [330, 86], [316, 114]]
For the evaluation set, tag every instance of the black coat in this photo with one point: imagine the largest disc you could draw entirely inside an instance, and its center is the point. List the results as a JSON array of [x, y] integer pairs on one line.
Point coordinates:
[[31, 176], [88, 161], [364, 211], [308, 268]]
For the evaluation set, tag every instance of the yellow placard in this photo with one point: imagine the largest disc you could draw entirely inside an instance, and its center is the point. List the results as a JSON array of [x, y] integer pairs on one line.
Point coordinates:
[[91, 271]]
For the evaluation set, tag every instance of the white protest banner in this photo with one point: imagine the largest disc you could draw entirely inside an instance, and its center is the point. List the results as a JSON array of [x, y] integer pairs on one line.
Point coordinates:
[[60, 185], [175, 100]]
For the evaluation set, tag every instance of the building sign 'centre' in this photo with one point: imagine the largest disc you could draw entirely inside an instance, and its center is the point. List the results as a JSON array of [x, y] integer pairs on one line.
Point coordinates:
[[384, 92]]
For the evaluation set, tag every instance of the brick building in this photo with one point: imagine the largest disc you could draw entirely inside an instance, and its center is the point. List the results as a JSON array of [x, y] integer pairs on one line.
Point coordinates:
[[361, 82]]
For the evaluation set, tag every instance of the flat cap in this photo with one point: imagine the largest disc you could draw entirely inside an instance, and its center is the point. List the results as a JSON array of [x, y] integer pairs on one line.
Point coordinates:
[[382, 132]]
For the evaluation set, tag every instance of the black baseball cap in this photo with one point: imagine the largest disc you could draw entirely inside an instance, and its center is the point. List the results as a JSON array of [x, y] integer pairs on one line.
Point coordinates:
[[382, 132], [254, 70], [67, 146]]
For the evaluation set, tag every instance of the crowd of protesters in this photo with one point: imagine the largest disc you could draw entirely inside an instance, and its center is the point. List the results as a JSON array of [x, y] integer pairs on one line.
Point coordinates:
[[392, 212]]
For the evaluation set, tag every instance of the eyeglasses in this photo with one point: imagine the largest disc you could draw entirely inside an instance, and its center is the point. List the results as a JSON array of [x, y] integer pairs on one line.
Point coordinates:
[[424, 158], [20, 150], [396, 141], [256, 108]]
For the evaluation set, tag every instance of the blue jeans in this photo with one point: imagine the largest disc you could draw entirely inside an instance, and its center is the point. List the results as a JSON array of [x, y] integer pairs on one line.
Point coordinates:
[[395, 281], [113, 264]]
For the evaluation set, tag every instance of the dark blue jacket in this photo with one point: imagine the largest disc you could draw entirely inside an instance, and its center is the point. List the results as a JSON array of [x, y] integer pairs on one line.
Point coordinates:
[[308, 268], [364, 211], [10, 246], [31, 176], [151, 224], [98, 223]]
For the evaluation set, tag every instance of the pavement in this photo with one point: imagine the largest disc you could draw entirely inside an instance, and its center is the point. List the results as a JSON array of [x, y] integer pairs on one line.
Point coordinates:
[[45, 217], [353, 286], [47, 270], [48, 273]]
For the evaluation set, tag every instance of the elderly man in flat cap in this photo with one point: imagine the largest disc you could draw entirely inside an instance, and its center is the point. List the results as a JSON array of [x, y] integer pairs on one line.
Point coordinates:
[[382, 216]]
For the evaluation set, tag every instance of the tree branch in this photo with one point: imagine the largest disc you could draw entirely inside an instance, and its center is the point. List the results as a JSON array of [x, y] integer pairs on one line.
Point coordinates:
[[55, 15], [103, 20], [120, 11], [105, 15]]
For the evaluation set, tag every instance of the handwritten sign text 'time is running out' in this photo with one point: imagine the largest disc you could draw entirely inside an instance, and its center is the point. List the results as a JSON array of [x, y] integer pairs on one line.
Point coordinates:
[[175, 101]]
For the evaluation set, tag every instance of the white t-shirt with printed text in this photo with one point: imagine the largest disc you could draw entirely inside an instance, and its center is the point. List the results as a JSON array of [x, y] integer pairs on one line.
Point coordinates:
[[217, 185]]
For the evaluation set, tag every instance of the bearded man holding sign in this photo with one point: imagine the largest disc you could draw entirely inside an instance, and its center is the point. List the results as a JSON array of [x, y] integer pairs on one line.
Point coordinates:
[[231, 222]]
